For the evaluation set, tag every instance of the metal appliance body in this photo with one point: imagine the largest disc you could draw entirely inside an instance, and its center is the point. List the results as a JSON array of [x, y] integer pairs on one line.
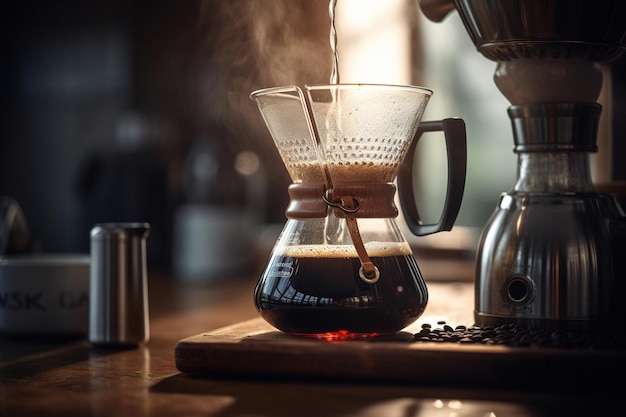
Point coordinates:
[[547, 261]]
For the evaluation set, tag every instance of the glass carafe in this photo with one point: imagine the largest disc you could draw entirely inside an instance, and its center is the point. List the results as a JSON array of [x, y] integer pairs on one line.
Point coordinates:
[[341, 267]]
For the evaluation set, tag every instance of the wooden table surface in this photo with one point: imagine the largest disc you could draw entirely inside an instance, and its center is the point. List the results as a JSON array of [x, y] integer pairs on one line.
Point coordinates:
[[72, 378]]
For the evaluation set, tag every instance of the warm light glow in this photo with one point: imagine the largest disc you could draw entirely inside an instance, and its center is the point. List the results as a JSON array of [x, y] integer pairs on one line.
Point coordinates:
[[455, 404], [374, 41], [342, 335], [247, 163]]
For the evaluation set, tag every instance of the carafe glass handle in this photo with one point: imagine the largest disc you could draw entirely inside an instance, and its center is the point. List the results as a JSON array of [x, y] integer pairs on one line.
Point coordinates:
[[456, 148]]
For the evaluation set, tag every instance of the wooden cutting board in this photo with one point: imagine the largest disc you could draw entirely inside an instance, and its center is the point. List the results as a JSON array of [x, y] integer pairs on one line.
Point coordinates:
[[255, 349]]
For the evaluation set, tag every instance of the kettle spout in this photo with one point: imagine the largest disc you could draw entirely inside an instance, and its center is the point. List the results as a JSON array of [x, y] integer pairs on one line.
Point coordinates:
[[436, 10]]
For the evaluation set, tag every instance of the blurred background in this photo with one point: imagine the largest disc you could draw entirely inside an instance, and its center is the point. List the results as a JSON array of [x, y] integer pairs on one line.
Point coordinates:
[[136, 110]]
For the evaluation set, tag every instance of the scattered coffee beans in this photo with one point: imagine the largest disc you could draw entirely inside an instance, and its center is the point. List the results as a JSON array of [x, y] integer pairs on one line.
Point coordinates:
[[514, 335]]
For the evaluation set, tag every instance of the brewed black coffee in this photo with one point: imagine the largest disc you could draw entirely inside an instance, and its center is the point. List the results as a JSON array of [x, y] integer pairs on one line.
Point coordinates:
[[316, 290]]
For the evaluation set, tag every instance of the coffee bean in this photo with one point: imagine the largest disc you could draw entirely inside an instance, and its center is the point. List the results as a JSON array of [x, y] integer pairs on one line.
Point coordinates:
[[424, 332]]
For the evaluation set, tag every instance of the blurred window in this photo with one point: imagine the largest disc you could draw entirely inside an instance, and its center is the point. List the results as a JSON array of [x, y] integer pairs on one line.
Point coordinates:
[[376, 43]]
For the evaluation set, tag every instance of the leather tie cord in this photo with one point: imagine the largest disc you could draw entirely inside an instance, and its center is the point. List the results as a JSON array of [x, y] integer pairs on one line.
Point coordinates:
[[368, 272]]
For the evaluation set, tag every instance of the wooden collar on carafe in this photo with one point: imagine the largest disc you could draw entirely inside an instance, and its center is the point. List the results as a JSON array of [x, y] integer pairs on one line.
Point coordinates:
[[369, 200]]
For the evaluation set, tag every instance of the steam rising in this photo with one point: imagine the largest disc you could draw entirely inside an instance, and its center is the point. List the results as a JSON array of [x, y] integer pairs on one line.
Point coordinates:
[[256, 44]]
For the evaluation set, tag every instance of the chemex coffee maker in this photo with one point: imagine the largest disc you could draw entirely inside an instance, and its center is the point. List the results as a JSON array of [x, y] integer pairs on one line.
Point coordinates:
[[552, 253], [341, 268]]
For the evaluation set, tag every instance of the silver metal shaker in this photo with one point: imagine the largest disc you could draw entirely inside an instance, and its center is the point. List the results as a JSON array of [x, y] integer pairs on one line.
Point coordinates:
[[118, 294]]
